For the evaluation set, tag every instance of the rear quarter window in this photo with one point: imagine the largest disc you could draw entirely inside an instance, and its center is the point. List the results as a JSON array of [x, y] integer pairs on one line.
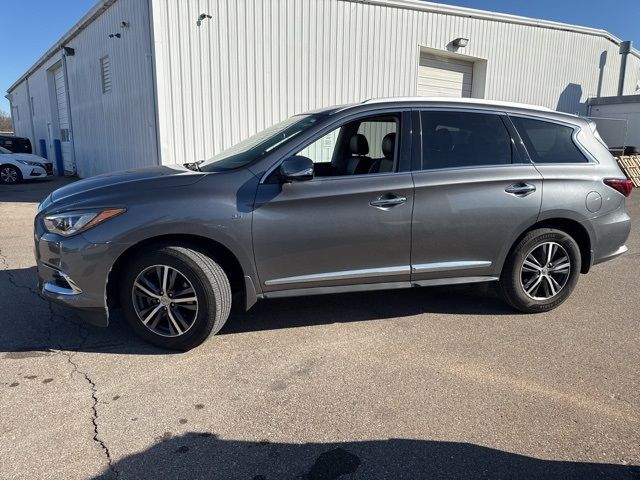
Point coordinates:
[[548, 142]]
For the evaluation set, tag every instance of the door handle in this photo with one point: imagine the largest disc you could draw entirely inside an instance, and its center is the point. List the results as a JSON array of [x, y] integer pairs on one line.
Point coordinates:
[[387, 201], [520, 189]]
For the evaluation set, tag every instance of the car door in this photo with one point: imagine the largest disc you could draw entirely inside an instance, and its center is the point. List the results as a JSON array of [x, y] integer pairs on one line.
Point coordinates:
[[475, 192], [345, 226]]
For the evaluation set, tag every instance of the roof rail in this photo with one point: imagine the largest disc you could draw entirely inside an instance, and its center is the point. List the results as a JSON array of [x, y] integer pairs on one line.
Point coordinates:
[[475, 101]]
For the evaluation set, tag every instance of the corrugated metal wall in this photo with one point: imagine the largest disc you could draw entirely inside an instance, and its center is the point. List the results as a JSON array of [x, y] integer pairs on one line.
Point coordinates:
[[115, 130], [632, 76], [44, 108], [20, 111], [110, 131], [257, 62]]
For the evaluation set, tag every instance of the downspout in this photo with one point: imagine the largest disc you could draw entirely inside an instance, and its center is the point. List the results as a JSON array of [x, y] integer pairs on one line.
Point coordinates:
[[625, 48], [154, 81], [33, 130], [68, 100]]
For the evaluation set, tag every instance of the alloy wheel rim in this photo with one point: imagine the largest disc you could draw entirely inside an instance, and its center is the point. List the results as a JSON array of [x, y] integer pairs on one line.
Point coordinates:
[[8, 175], [164, 300], [545, 271]]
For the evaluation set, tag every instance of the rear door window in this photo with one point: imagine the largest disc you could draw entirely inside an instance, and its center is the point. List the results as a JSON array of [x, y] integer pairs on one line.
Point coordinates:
[[548, 142], [464, 139]]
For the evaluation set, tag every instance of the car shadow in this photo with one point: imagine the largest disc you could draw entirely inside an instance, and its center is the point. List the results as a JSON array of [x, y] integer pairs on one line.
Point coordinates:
[[473, 299], [200, 455], [32, 326]]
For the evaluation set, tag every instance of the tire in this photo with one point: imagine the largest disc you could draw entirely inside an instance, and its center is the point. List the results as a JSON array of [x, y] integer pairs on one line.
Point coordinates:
[[179, 323], [10, 175], [518, 280]]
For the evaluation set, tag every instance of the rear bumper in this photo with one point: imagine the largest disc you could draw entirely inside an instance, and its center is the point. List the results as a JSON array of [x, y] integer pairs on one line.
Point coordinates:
[[611, 232], [612, 255]]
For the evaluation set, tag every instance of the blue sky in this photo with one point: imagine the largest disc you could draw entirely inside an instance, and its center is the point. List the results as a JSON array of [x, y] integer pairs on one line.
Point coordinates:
[[30, 27]]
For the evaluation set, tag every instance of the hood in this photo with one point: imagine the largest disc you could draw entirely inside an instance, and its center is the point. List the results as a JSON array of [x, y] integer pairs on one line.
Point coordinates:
[[27, 156], [165, 176]]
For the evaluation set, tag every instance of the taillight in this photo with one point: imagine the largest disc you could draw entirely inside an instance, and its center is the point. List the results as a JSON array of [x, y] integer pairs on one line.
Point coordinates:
[[622, 185]]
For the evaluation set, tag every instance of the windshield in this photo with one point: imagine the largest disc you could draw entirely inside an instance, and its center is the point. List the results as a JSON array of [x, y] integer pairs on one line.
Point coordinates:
[[4, 150], [259, 144]]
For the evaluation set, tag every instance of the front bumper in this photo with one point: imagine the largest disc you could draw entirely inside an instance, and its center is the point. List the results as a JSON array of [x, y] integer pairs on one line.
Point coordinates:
[[74, 272], [31, 171]]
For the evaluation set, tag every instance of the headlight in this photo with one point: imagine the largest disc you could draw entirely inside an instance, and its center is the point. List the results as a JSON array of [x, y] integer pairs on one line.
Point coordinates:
[[70, 223], [33, 164]]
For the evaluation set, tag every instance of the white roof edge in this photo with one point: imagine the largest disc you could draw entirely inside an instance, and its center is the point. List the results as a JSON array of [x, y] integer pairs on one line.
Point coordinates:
[[102, 5], [97, 10], [476, 101], [495, 16]]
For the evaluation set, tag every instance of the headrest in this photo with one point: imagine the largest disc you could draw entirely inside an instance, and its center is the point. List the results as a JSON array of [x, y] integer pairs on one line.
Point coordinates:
[[389, 145], [359, 145]]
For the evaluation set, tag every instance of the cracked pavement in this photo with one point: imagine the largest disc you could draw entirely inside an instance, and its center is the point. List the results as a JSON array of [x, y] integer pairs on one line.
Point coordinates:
[[425, 383]]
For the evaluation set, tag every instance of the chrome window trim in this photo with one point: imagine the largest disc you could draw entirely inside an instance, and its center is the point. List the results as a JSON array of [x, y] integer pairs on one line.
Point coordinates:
[[474, 167], [362, 175]]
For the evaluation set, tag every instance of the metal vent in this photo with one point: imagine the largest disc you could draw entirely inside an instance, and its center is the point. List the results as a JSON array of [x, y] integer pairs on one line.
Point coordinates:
[[105, 70]]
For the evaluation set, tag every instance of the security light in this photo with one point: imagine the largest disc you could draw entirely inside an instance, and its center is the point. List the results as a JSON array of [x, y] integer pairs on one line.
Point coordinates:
[[202, 16], [460, 42]]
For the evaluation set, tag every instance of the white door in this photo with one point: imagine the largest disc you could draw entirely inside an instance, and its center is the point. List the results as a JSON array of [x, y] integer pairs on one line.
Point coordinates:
[[444, 76], [63, 120]]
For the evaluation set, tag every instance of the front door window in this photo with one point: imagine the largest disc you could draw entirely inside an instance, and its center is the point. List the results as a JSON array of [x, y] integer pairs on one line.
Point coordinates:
[[365, 146]]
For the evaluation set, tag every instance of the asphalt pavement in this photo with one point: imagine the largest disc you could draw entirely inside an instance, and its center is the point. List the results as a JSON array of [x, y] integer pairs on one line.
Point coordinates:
[[424, 383]]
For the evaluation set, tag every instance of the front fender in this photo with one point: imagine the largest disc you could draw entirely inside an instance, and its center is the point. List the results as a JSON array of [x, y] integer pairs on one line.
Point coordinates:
[[215, 209]]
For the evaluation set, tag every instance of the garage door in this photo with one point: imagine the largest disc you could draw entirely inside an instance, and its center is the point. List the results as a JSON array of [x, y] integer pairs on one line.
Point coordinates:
[[63, 120], [444, 76]]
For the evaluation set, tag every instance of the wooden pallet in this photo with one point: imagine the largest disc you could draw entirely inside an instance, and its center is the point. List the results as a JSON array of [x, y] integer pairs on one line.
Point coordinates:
[[630, 165]]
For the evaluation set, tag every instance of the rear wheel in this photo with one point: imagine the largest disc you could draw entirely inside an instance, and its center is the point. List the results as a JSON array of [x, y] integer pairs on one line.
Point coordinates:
[[175, 297], [10, 174], [541, 271]]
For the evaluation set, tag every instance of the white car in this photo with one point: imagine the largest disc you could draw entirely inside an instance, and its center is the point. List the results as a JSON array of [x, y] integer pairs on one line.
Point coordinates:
[[15, 167]]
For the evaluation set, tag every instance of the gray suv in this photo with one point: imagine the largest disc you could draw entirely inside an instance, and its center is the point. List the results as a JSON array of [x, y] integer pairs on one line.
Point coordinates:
[[383, 194]]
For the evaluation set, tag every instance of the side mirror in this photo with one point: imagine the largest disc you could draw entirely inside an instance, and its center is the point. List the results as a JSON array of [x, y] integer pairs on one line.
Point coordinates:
[[296, 169]]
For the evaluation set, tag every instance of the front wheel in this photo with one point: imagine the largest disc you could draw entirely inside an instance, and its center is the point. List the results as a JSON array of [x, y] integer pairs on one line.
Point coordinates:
[[10, 174], [541, 271], [175, 297]]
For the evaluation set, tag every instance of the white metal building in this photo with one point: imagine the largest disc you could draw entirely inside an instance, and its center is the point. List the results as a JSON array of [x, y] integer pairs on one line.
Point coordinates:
[[142, 82]]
